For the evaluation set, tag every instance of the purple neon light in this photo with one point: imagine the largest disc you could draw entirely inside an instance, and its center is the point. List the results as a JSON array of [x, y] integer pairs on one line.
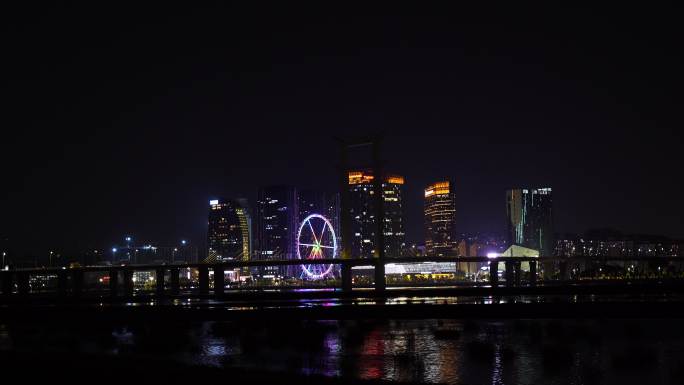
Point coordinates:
[[308, 270]]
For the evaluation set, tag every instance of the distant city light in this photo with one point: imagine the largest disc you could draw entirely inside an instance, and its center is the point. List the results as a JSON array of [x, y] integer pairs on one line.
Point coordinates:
[[213, 202], [128, 239], [113, 249], [183, 241], [492, 255]]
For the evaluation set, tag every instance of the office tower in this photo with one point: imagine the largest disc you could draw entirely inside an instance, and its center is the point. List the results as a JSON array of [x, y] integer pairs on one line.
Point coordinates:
[[318, 202], [277, 220], [362, 205], [530, 220], [229, 235], [310, 202], [332, 212], [440, 219]]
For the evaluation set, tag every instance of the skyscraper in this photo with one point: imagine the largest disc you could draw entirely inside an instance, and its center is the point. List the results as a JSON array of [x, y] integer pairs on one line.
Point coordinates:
[[229, 235], [318, 202], [310, 202], [440, 219], [363, 219], [530, 220], [277, 218], [332, 209]]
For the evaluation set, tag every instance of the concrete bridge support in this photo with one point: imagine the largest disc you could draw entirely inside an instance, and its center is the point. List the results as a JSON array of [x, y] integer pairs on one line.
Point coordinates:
[[62, 283], [128, 282], [203, 280], [77, 283], [533, 273], [113, 282], [175, 280], [494, 273], [159, 280], [346, 278], [219, 281], [7, 282]]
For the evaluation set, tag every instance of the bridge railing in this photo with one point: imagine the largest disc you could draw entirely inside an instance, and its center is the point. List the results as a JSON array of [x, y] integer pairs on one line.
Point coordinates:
[[346, 275]]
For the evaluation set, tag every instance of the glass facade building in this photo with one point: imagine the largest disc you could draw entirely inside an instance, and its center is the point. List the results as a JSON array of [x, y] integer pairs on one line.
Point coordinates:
[[362, 205], [440, 219], [229, 233], [530, 220], [277, 219], [318, 202]]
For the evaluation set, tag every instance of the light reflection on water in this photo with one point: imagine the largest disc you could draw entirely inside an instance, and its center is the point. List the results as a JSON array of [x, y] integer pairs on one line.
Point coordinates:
[[492, 352], [435, 300], [431, 351]]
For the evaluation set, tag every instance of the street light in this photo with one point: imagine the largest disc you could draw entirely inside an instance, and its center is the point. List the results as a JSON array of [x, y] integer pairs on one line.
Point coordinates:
[[183, 242]]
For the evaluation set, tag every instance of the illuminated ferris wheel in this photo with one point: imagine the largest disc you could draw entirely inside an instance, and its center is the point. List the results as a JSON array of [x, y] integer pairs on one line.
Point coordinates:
[[316, 240]]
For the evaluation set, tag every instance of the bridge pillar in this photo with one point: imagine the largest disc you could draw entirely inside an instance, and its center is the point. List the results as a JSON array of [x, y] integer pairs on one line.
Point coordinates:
[[61, 283], [175, 281], [23, 283], [494, 273], [113, 282], [563, 269], [159, 278], [128, 281], [380, 275], [219, 281], [76, 282], [203, 280], [510, 274], [518, 272], [346, 277], [6, 282], [533, 273]]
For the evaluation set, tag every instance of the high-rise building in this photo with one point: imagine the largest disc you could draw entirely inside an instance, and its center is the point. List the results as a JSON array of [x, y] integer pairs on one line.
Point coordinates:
[[362, 205], [310, 202], [229, 235], [277, 219], [440, 219], [332, 212], [318, 202], [530, 220]]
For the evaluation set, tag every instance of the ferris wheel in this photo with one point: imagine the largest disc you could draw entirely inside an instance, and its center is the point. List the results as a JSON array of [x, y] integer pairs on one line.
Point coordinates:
[[316, 240]]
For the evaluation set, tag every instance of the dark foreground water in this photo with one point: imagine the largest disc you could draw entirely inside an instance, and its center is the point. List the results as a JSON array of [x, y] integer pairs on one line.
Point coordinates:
[[616, 351]]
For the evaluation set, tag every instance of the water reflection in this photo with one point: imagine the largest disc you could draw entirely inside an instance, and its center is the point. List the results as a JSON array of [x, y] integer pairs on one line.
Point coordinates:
[[430, 351]]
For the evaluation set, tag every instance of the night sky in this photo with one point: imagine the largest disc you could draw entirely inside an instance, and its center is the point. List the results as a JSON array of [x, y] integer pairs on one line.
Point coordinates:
[[124, 120]]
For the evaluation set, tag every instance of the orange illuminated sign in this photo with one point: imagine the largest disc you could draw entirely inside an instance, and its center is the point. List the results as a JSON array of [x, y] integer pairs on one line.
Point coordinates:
[[439, 188], [360, 177]]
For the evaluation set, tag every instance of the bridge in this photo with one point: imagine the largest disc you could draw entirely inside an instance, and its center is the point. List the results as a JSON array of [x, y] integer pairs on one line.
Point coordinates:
[[544, 275]]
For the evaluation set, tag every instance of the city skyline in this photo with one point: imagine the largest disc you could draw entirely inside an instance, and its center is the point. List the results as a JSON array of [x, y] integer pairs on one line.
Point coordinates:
[[413, 239], [487, 101], [342, 193]]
